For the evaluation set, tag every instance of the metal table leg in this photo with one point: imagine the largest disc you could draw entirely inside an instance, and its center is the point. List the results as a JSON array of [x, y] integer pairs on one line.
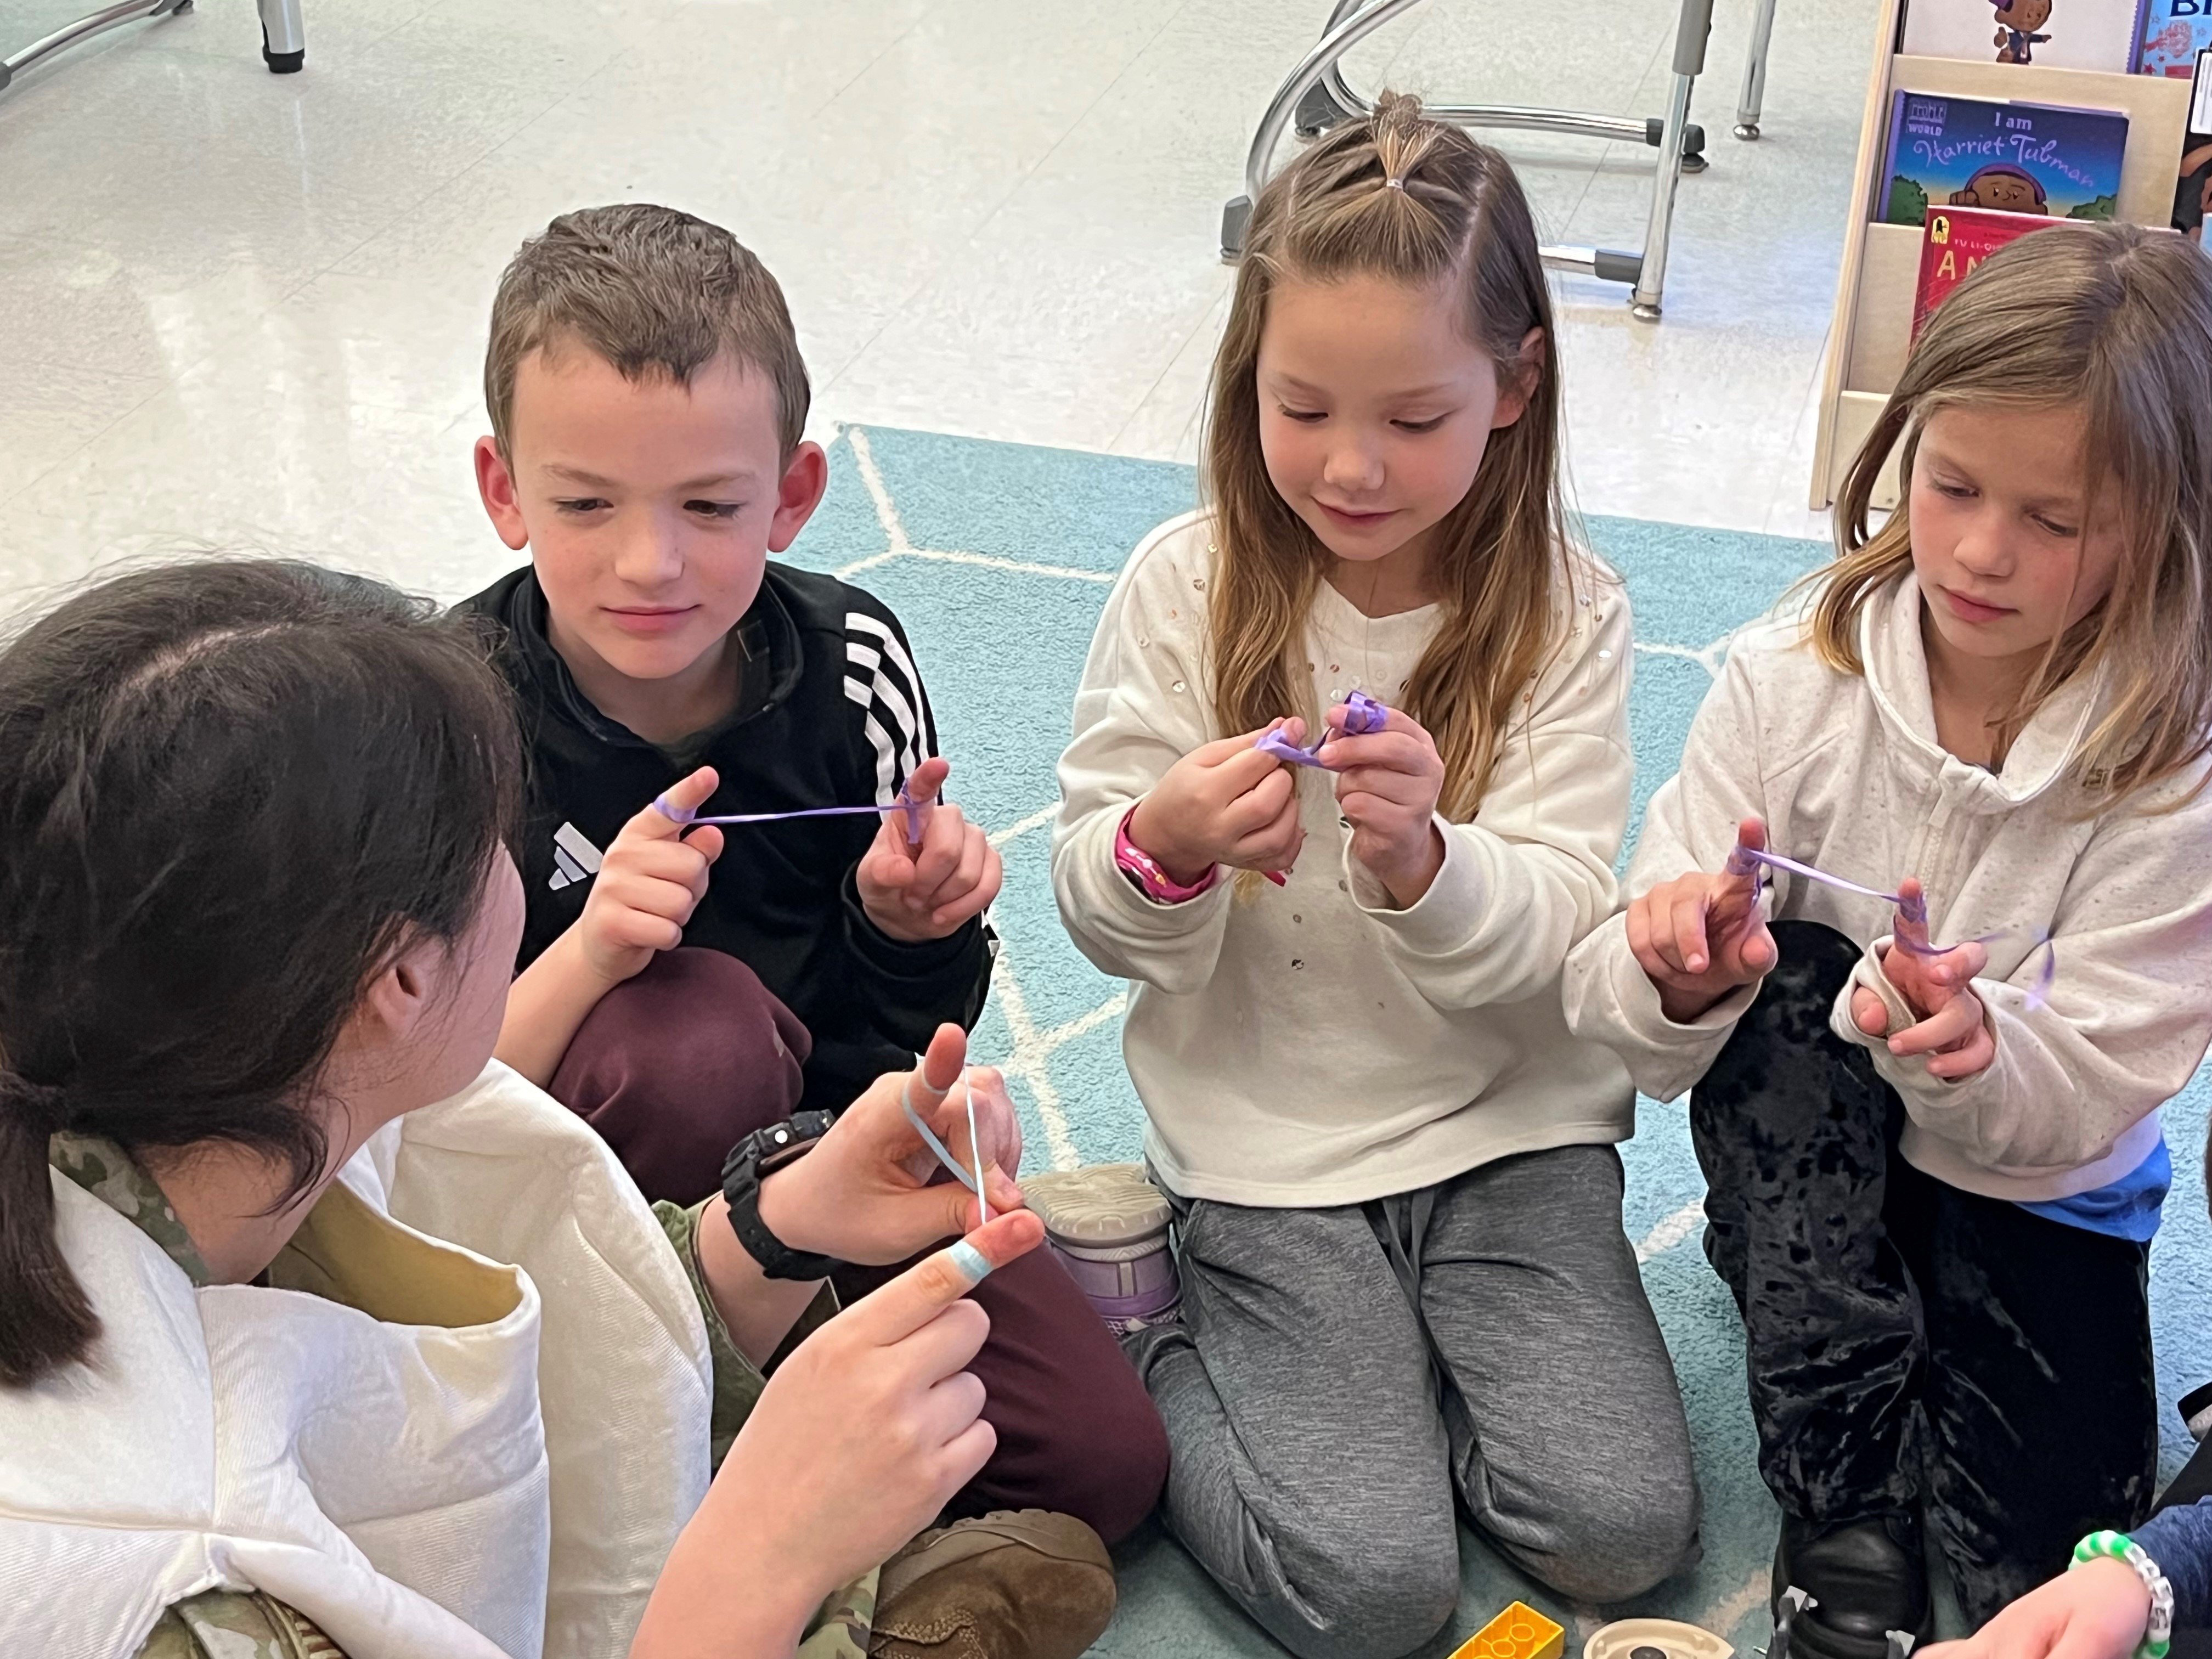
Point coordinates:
[[1753, 94], [1314, 97]]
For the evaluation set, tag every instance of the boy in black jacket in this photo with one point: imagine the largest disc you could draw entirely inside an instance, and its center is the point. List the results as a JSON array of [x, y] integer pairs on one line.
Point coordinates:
[[648, 401]]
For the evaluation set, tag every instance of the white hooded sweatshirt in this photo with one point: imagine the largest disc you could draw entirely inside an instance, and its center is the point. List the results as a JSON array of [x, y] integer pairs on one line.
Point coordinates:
[[1848, 774], [472, 1426], [1314, 1044]]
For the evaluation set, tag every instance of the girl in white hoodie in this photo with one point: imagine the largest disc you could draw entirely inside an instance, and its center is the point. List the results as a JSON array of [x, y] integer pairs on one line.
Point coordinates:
[[1932, 1139], [1404, 1273]]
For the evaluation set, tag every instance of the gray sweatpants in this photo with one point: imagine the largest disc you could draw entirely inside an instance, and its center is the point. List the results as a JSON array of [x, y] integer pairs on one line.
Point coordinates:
[[1341, 1373]]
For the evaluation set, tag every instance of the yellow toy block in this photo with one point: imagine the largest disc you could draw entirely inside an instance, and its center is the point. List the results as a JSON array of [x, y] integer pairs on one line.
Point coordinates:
[[1519, 1632]]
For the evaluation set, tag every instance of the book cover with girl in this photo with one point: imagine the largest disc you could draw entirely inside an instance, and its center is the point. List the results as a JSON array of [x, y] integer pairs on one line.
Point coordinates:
[[2015, 158], [1405, 1282], [1926, 1051]]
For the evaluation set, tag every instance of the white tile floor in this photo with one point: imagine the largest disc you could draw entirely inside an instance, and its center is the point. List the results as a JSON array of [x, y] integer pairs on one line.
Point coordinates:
[[236, 309]]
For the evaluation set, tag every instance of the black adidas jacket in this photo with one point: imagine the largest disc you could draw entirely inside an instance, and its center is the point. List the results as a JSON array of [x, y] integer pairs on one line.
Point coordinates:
[[837, 717]]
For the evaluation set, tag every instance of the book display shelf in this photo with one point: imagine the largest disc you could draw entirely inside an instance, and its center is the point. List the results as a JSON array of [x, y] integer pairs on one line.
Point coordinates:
[[1875, 291]]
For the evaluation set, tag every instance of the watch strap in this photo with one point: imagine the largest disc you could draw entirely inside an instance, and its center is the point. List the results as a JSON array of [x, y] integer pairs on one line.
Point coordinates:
[[759, 1155]]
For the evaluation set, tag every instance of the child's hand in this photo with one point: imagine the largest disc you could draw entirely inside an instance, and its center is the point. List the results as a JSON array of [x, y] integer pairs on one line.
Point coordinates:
[[913, 895], [1387, 784], [2098, 1611], [1223, 803], [867, 1192], [1952, 1031], [649, 883], [1700, 936]]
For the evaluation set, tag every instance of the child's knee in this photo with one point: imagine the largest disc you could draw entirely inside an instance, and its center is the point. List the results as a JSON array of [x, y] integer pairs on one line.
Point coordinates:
[[674, 1066], [1611, 1539], [1376, 1595]]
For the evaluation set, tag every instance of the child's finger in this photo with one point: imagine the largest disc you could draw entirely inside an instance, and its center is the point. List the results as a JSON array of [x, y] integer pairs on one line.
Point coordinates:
[[1949, 1025], [1970, 1057], [922, 785], [1960, 964], [966, 876], [1868, 1012], [686, 795], [1759, 953], [1751, 834], [1686, 918], [1912, 914]]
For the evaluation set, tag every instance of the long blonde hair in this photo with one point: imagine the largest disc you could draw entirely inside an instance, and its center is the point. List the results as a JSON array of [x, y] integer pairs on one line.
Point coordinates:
[[1454, 216], [2116, 321]]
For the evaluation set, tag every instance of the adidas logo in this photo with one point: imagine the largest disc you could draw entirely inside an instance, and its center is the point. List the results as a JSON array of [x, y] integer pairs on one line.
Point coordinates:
[[575, 859]]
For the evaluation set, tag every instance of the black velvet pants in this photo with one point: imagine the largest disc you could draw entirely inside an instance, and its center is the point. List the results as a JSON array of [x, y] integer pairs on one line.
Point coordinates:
[[1908, 1343]]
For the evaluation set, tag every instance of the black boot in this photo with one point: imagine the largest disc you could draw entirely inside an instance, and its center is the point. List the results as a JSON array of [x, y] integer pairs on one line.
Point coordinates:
[[1866, 1579]]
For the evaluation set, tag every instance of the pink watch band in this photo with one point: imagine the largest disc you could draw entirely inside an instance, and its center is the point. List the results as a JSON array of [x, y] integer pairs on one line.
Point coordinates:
[[1144, 870]]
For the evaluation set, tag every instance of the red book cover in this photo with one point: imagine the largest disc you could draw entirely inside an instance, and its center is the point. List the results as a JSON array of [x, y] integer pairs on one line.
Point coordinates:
[[1955, 239]]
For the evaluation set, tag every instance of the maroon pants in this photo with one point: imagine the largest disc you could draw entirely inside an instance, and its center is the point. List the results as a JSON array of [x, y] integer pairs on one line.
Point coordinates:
[[677, 1065]]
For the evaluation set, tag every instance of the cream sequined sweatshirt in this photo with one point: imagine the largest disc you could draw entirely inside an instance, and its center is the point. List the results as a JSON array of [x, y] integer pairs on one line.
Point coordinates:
[[1312, 1044], [1846, 771]]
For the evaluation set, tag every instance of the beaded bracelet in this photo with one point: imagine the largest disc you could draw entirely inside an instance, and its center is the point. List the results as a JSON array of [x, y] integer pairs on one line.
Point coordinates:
[[2158, 1632]]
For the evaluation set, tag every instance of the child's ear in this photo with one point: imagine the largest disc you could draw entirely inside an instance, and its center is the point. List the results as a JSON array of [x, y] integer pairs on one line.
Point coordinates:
[[798, 493], [496, 486], [1517, 384]]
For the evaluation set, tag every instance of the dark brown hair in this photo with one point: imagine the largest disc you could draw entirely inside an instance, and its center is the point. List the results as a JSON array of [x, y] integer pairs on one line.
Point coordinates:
[[652, 291], [1454, 217], [229, 791], [2114, 321]]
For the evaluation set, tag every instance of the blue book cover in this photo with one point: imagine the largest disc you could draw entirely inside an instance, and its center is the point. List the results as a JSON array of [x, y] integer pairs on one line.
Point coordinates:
[[2173, 33], [2012, 158]]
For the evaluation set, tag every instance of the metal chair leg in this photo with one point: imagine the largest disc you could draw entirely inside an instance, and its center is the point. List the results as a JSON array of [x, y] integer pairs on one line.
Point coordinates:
[[283, 37], [1314, 97], [1753, 94], [1691, 31], [98, 22]]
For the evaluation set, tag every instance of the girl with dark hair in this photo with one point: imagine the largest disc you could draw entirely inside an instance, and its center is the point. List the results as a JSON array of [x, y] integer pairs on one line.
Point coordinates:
[[318, 1334]]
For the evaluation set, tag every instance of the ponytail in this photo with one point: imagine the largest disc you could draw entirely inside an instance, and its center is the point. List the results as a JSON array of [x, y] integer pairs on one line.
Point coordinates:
[[45, 1320]]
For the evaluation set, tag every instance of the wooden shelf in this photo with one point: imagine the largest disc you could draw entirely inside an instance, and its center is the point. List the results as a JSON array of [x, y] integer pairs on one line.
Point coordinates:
[[1872, 332]]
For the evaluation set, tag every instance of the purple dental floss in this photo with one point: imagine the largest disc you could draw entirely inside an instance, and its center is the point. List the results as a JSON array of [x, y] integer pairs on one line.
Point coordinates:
[[1752, 861], [917, 814], [1362, 714]]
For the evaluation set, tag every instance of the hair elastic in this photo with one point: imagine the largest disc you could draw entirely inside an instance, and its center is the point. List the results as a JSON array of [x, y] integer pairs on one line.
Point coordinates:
[[1752, 861], [917, 814], [1393, 184]]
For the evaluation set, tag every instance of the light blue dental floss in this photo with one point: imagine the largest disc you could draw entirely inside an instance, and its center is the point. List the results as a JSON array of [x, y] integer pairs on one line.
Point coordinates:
[[974, 1184], [969, 1259]]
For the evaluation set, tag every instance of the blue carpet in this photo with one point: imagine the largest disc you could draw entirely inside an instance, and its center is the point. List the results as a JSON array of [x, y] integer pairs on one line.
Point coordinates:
[[997, 558]]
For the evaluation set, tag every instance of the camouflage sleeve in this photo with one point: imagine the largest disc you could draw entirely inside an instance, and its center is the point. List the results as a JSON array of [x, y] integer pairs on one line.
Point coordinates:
[[840, 1630], [738, 1381], [234, 1624]]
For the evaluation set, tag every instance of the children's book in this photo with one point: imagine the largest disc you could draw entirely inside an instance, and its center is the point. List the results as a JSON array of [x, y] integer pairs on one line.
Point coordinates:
[[1956, 240], [2079, 34], [2173, 33], [2013, 157]]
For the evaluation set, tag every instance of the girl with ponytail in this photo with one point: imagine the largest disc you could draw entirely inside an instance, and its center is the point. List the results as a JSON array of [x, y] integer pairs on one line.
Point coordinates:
[[1405, 1277]]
